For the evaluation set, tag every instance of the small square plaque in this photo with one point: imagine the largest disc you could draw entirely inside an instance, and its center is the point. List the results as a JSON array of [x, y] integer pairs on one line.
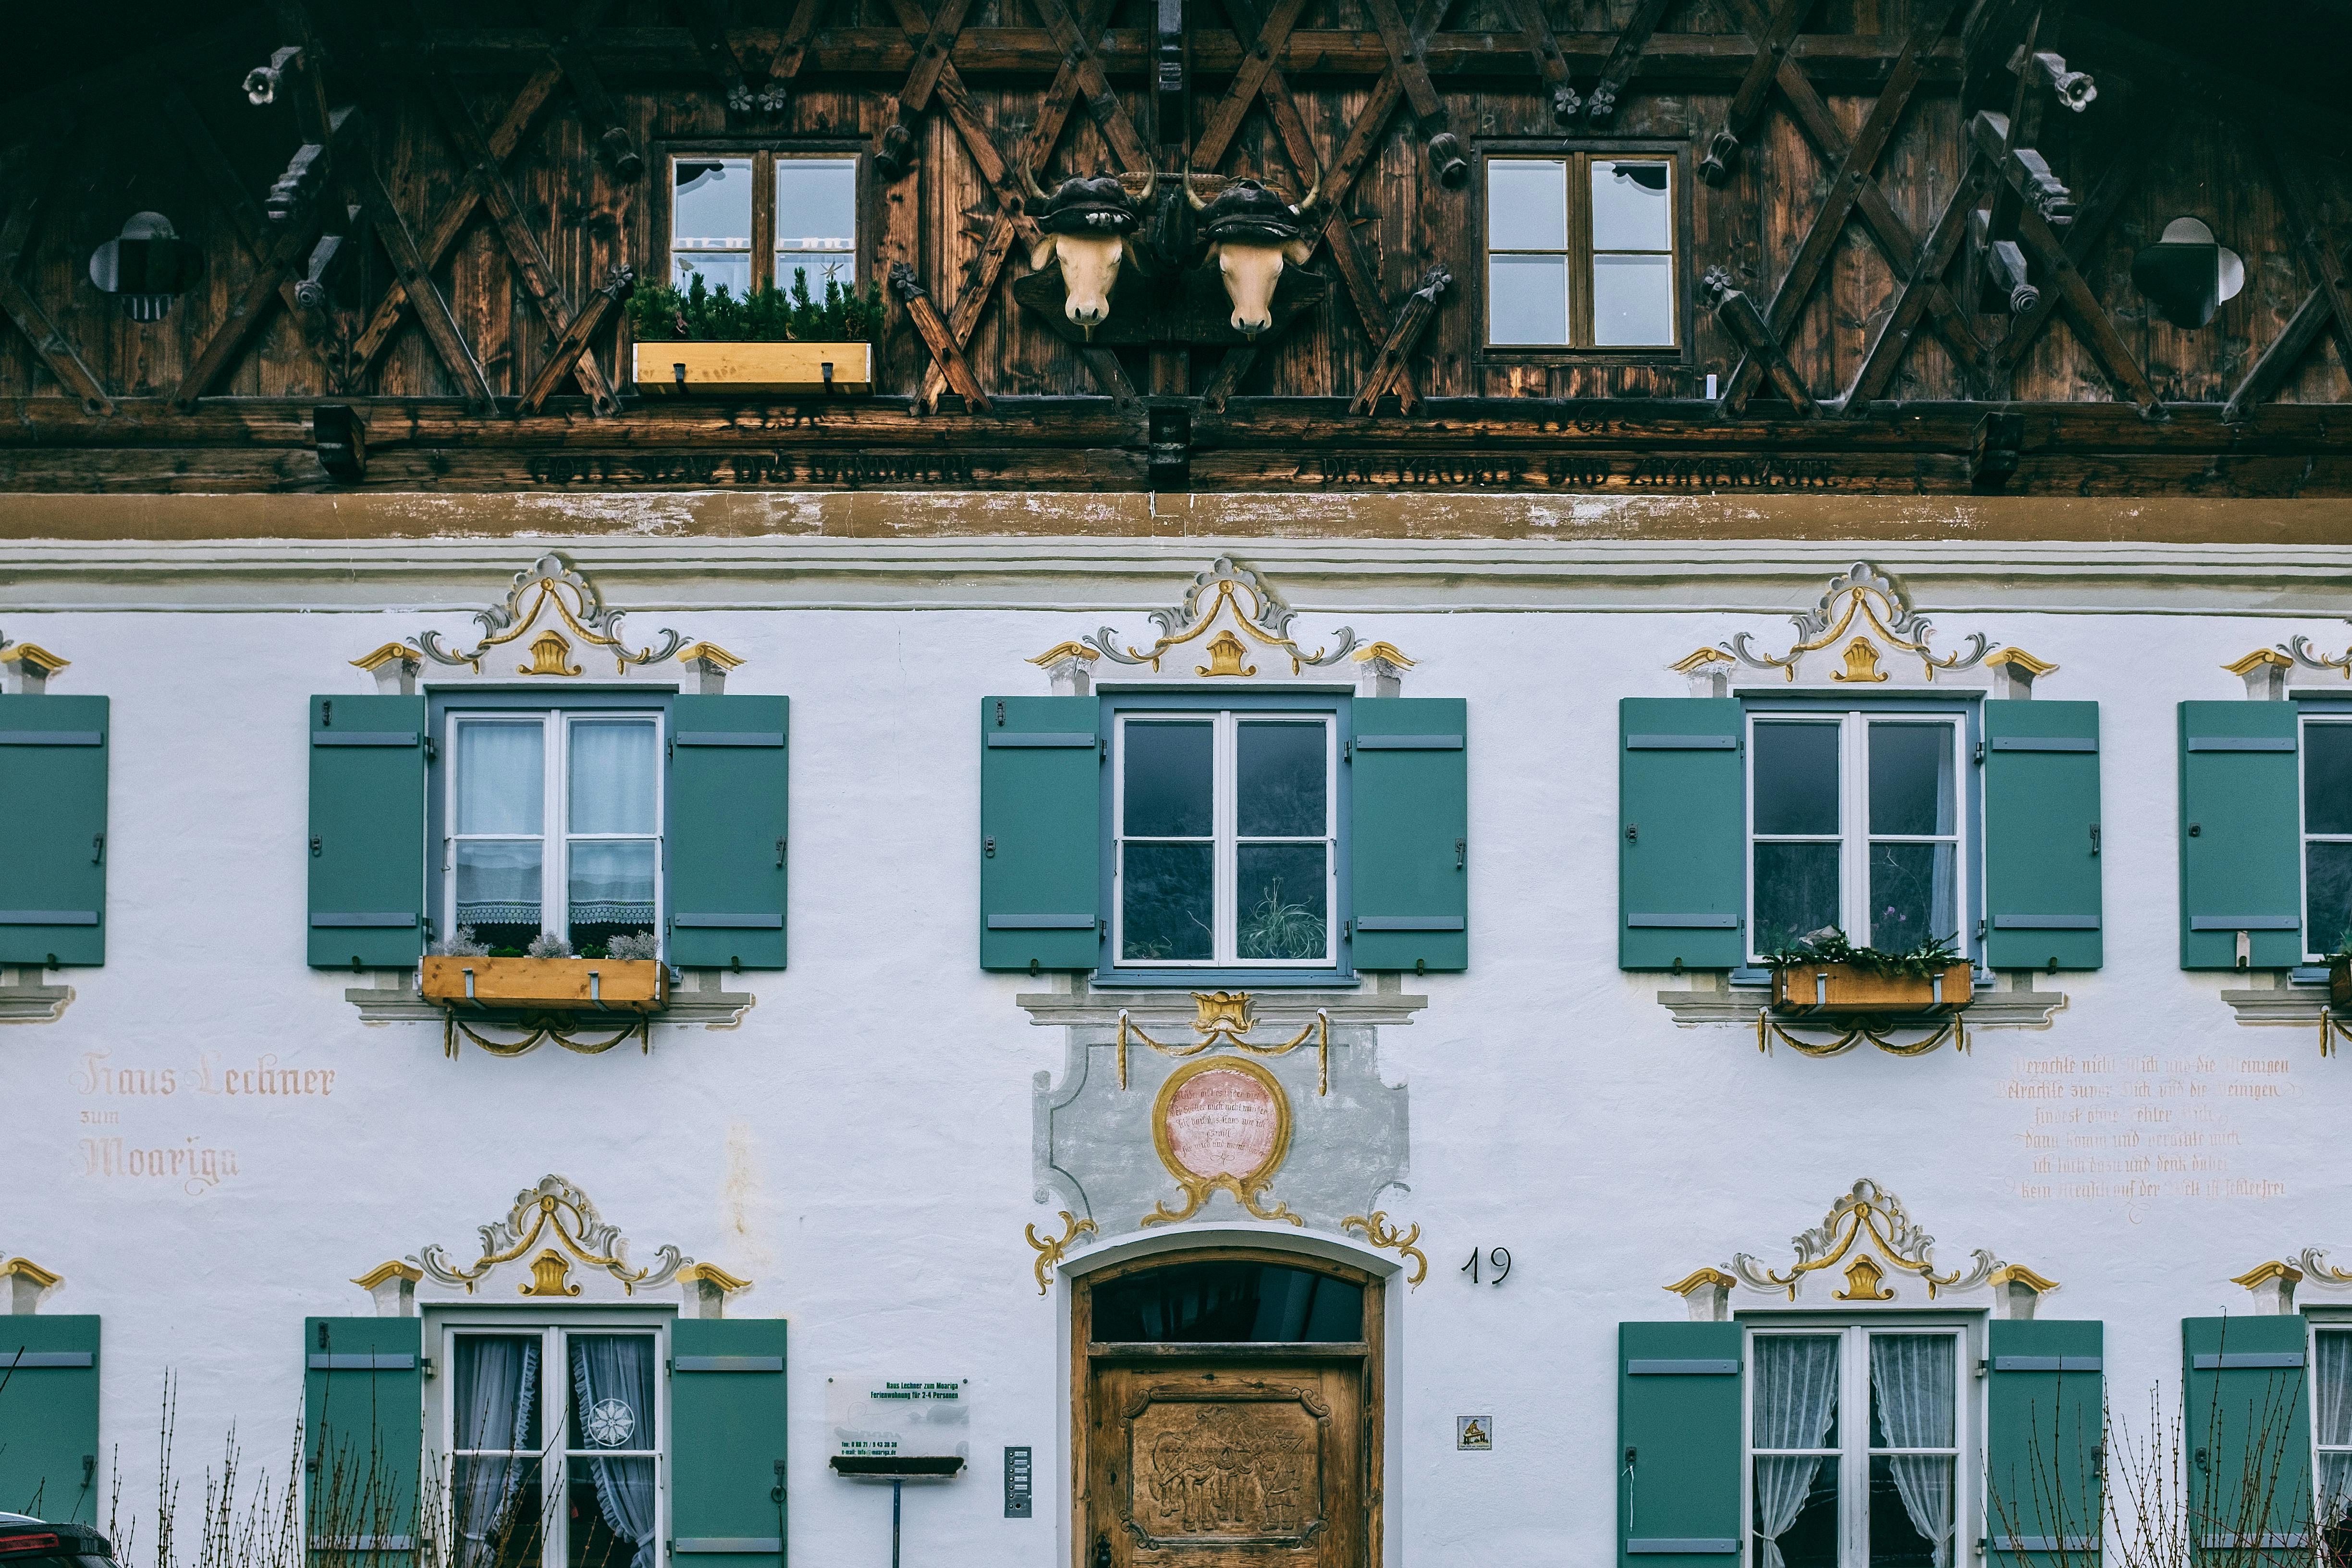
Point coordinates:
[[1474, 1433]]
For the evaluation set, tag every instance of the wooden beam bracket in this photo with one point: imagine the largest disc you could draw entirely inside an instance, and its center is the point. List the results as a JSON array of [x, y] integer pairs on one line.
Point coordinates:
[[1994, 450], [339, 438], [1410, 322], [1744, 321], [945, 352]]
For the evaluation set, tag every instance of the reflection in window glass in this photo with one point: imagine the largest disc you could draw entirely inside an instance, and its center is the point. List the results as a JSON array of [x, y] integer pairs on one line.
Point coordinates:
[[1632, 254], [1228, 1303], [816, 221], [1793, 1436], [1527, 300], [1527, 204], [1581, 252], [2327, 837], [711, 223]]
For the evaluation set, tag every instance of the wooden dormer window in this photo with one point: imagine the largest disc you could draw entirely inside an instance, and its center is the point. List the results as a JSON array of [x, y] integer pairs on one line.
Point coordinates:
[[734, 216], [1581, 252]]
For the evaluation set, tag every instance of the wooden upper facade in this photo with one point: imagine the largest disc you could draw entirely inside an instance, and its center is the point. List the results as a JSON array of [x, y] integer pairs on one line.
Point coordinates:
[[1556, 245]]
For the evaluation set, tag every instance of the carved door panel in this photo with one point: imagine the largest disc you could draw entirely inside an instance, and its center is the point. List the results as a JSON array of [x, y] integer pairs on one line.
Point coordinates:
[[1211, 1463]]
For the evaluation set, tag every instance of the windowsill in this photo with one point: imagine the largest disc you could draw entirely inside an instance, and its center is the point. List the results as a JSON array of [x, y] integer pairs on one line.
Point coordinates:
[[1736, 996], [34, 1003], [1225, 979], [394, 999], [2297, 996]]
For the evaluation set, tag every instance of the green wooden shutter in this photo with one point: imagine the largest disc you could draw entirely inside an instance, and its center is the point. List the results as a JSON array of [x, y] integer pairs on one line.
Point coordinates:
[[1682, 833], [2045, 1409], [49, 1410], [729, 826], [1408, 833], [363, 1437], [2240, 836], [53, 753], [2247, 1427], [1040, 832], [1678, 1446], [367, 831], [728, 1505], [2041, 835]]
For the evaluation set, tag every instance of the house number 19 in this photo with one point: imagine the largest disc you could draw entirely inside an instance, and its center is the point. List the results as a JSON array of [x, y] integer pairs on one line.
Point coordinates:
[[1498, 1261]]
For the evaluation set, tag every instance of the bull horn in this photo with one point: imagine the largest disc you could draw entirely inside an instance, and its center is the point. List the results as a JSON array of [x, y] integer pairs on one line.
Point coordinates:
[[1029, 178], [1150, 183], [1190, 195], [1306, 203]]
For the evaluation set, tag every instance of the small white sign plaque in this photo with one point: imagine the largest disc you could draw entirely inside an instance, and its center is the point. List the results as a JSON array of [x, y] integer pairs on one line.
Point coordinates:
[[881, 1418]]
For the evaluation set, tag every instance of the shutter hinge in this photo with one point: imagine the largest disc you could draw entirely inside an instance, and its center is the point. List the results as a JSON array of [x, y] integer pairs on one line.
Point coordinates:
[[1102, 748], [669, 750], [432, 751], [1978, 755], [1348, 751], [2095, 838], [1347, 930], [780, 851], [1980, 928], [988, 849], [326, 713], [1000, 714], [1632, 833], [316, 849], [98, 848], [1461, 854]]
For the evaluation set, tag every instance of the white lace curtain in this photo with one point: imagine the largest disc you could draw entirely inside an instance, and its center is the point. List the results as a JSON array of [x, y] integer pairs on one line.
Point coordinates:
[[613, 1380], [1913, 1378], [2334, 1402], [1796, 1401], [497, 1384]]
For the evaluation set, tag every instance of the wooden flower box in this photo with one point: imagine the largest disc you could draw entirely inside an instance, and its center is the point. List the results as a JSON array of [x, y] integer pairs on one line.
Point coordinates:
[[2339, 983], [549, 985], [1842, 988], [670, 369]]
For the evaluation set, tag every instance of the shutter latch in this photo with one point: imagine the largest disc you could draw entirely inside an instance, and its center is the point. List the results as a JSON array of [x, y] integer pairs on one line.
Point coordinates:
[[2095, 838], [98, 848], [1461, 854], [780, 851], [988, 849], [1979, 756], [1632, 833], [315, 848]]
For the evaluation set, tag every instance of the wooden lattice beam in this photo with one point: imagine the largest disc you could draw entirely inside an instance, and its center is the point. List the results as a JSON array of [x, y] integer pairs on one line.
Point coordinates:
[[1755, 88], [57, 350], [1408, 50], [1388, 369], [571, 345], [1896, 333], [1551, 64], [1624, 59], [2307, 228], [894, 147], [567, 42]]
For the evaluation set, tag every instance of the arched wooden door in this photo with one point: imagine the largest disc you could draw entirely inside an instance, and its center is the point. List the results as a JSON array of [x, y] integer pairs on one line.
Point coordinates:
[[1228, 1413]]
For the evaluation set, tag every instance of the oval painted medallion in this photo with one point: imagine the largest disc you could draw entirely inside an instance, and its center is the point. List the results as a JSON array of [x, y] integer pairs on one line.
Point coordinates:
[[1223, 1123]]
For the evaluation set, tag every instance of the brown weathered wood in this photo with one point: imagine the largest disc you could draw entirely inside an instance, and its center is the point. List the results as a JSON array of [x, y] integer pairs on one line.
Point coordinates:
[[1227, 379], [1110, 375], [2116, 181], [1895, 337], [1217, 130], [1410, 322], [945, 351], [570, 50], [894, 145], [1543, 46], [246, 310], [703, 24], [1102, 104], [571, 345], [2300, 198], [1754, 88], [788, 49], [1854, 172], [1740, 318], [450, 222], [1624, 59], [48, 341], [355, 170], [2278, 357], [532, 268], [1407, 48]]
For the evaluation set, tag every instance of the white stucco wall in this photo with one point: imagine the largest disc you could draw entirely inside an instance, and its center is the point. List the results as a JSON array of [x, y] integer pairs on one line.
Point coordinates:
[[860, 1146]]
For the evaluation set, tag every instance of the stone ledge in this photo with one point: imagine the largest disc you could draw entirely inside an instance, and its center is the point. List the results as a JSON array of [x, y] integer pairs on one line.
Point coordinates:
[[2279, 1004], [1741, 1004], [1175, 1010], [34, 1003]]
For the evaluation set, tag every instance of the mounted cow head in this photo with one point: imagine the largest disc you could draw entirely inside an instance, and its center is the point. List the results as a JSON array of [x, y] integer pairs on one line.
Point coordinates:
[[1084, 226], [1251, 233]]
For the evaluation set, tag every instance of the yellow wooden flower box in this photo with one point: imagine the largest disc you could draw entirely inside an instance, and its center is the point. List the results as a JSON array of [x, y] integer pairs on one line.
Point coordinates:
[[549, 985], [670, 368], [2339, 983], [1843, 988]]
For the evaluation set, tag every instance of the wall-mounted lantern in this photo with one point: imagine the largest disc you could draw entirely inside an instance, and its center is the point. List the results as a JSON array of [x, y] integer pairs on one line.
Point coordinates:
[[145, 266], [2186, 275]]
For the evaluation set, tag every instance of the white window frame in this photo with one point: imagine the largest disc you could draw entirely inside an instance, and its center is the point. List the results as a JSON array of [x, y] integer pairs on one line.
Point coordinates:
[[555, 834], [1853, 836], [2305, 838], [2324, 1322], [1854, 1453], [1225, 818], [442, 1331]]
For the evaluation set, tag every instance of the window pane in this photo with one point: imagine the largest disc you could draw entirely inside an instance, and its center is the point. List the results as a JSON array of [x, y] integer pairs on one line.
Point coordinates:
[[1527, 204], [2328, 778], [1795, 1512], [1911, 895], [1633, 301], [1796, 778], [1170, 789], [1281, 904], [497, 1393], [1911, 778], [1229, 1303], [499, 887], [1527, 300], [713, 204], [1167, 908], [612, 884], [1796, 892], [613, 776], [501, 777], [495, 1511], [731, 271], [1633, 206], [1911, 1511], [1281, 772], [1911, 1399], [2327, 875], [611, 1393], [612, 1514], [816, 220]]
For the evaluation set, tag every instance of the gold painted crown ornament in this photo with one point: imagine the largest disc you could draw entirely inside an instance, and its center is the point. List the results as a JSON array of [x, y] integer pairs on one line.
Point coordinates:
[[1220, 592], [559, 1213], [1866, 596]]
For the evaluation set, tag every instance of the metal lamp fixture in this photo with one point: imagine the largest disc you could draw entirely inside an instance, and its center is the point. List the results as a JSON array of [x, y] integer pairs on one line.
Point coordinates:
[[145, 266]]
